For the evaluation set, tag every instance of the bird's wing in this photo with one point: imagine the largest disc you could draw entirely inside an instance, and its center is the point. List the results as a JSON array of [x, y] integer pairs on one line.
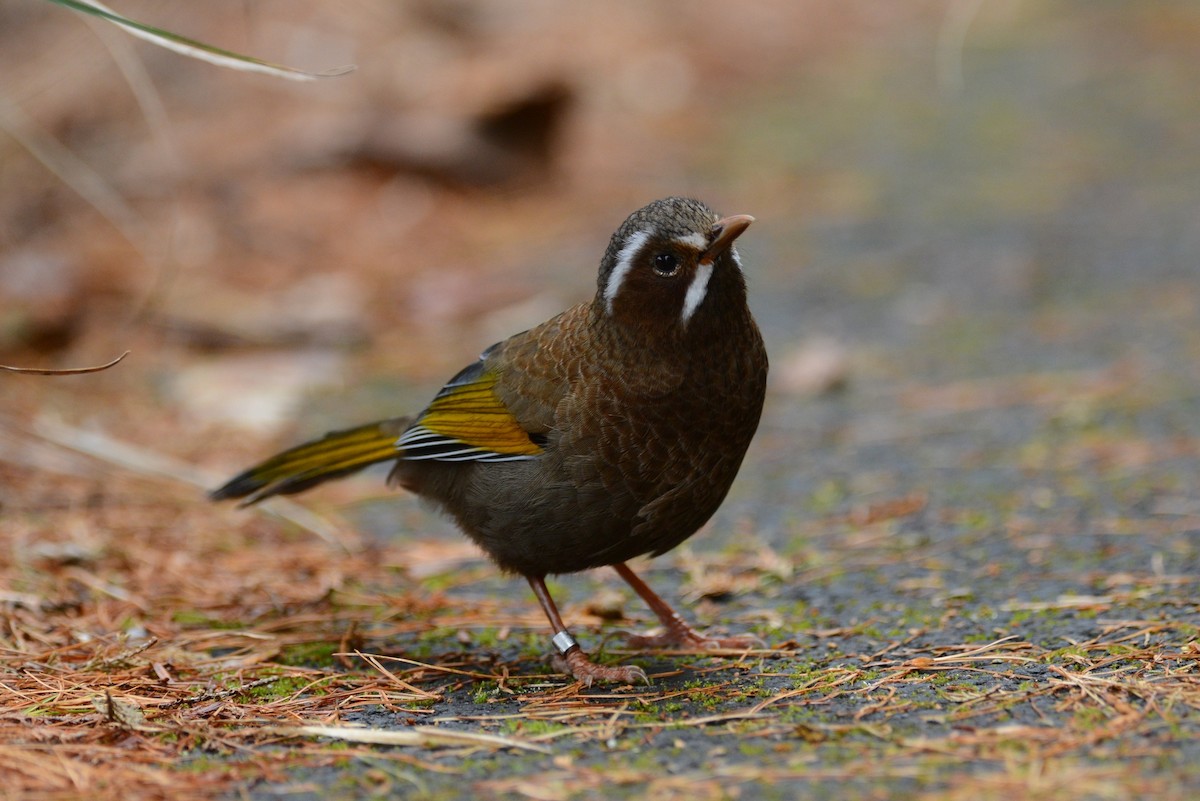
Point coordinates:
[[468, 422], [503, 407]]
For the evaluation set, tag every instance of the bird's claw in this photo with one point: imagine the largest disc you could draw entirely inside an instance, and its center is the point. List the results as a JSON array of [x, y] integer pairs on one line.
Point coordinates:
[[684, 636], [577, 664]]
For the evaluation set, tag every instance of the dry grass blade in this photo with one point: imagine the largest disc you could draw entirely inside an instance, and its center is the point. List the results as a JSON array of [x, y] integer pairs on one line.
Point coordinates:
[[428, 666], [706, 720], [824, 681], [424, 736], [1070, 601], [141, 461], [66, 370], [74, 172], [417, 693], [983, 653], [975, 653], [194, 49]]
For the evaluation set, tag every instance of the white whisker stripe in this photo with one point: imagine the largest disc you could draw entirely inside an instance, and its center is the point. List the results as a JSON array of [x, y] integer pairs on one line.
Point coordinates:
[[736, 259], [697, 290], [623, 266]]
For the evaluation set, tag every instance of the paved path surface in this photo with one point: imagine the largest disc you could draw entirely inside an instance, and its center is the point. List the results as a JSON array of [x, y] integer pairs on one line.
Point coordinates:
[[977, 561]]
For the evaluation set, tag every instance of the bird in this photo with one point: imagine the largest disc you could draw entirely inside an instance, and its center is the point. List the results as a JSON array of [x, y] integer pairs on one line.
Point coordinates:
[[611, 431]]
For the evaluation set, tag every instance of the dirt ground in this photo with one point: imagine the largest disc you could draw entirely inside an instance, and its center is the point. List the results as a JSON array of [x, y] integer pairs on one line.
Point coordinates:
[[968, 532]]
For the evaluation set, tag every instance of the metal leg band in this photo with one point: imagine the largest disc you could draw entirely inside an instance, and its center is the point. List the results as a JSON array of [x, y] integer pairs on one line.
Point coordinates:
[[563, 641]]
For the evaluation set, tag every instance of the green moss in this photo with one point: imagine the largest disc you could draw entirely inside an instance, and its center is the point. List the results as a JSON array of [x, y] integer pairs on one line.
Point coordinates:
[[827, 497], [1088, 718], [647, 716], [1019, 618], [753, 749], [1059, 654], [309, 654], [193, 618], [533, 644], [484, 692], [201, 763], [487, 637], [941, 679], [284, 687], [872, 632], [441, 581], [432, 641], [532, 728]]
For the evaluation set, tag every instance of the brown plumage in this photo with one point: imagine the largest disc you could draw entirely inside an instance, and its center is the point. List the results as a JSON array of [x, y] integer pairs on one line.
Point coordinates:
[[610, 431]]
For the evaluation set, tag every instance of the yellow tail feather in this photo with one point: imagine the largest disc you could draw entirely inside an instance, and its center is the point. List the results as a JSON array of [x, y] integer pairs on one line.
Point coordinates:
[[337, 454]]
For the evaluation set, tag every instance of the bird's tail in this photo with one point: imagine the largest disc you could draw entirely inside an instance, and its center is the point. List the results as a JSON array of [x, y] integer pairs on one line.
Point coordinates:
[[337, 454]]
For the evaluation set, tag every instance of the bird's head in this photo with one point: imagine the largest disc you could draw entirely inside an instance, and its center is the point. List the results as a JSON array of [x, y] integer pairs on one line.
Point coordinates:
[[672, 268]]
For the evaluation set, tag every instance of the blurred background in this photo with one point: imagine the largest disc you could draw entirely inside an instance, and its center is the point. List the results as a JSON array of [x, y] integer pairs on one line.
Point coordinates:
[[976, 265], [947, 192]]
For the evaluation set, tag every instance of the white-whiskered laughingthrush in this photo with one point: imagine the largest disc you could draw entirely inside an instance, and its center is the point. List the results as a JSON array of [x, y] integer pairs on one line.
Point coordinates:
[[610, 431]]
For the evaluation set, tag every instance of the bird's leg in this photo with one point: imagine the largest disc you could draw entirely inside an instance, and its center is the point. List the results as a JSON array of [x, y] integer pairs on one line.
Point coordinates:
[[570, 658], [676, 629]]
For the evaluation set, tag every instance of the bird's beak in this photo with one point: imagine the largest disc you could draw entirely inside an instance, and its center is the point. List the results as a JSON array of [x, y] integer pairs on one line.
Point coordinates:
[[724, 231]]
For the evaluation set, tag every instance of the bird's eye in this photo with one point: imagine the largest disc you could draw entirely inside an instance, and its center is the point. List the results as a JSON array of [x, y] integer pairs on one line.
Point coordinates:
[[666, 264]]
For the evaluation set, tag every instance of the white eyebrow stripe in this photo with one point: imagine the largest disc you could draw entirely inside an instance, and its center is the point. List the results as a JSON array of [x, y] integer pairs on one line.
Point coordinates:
[[698, 241], [696, 290], [623, 266]]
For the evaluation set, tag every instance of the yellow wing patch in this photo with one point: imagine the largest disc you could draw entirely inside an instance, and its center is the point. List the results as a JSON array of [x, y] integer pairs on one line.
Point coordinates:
[[467, 421]]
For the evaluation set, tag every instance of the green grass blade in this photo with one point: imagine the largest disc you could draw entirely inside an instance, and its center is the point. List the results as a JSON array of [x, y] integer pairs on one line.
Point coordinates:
[[193, 48]]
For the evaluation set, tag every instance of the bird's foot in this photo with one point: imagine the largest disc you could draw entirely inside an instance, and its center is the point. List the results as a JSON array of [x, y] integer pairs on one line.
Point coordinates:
[[677, 633], [578, 664]]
